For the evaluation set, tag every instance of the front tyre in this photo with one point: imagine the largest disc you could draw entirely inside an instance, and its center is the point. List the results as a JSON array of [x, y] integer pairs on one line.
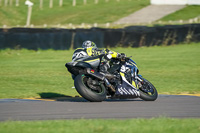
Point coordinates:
[[147, 91], [93, 93]]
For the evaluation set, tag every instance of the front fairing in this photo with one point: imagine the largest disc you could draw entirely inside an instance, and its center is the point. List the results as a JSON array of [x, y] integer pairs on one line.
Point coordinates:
[[126, 87], [132, 65]]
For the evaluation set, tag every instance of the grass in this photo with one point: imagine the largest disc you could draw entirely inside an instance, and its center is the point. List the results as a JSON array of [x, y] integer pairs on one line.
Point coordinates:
[[27, 73], [102, 12], [155, 125], [186, 13]]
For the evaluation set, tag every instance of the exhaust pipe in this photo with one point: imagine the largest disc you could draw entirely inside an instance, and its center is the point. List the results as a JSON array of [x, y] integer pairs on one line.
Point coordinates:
[[95, 74], [100, 77]]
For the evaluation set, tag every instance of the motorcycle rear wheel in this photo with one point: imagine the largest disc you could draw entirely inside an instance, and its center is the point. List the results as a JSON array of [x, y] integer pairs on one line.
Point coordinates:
[[88, 93], [148, 92]]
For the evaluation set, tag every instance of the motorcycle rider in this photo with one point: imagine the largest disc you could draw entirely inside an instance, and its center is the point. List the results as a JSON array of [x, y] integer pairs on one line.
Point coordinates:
[[89, 53]]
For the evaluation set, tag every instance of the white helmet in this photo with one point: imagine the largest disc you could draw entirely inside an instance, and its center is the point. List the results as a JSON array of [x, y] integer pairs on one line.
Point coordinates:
[[88, 44]]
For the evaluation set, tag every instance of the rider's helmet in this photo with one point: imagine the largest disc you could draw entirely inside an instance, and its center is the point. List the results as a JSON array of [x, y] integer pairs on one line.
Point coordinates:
[[89, 44]]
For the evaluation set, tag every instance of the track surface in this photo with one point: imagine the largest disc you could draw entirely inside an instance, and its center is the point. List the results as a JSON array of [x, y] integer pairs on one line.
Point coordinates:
[[76, 108]]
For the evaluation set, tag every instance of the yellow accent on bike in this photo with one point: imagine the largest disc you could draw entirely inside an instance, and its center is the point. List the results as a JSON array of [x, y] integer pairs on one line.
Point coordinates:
[[122, 74], [92, 60], [133, 83], [134, 64]]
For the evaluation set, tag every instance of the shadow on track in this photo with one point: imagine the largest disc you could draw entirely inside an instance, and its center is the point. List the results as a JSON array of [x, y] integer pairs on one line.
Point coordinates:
[[63, 98], [60, 97]]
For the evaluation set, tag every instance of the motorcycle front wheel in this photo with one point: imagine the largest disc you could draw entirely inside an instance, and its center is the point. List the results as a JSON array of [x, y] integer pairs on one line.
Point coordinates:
[[147, 91], [91, 93]]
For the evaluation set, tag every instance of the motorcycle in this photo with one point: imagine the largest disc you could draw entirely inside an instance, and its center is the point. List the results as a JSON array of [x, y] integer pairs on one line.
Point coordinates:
[[120, 81]]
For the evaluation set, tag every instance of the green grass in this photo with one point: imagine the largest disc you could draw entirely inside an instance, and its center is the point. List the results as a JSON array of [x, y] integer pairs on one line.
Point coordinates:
[[154, 125], [91, 13], [186, 13], [26, 73]]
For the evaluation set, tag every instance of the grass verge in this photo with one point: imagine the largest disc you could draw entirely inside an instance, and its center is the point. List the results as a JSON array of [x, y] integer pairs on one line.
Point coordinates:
[[42, 74], [155, 125]]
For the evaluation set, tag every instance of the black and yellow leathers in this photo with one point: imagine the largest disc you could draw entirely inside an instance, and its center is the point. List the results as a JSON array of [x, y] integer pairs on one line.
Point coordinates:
[[90, 55]]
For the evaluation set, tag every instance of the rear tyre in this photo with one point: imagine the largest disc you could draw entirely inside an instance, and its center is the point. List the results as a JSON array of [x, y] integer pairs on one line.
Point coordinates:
[[97, 94], [148, 92]]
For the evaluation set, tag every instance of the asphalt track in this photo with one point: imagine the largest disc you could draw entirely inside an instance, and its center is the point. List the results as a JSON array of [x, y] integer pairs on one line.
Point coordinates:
[[78, 108]]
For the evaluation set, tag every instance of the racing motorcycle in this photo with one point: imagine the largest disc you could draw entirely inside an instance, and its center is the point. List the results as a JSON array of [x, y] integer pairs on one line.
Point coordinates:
[[121, 80]]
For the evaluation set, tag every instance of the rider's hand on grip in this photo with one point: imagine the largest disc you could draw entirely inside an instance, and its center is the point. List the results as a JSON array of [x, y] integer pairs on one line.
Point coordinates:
[[122, 57]]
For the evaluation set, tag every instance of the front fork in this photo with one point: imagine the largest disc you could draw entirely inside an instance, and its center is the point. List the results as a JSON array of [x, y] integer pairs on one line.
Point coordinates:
[[136, 80]]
